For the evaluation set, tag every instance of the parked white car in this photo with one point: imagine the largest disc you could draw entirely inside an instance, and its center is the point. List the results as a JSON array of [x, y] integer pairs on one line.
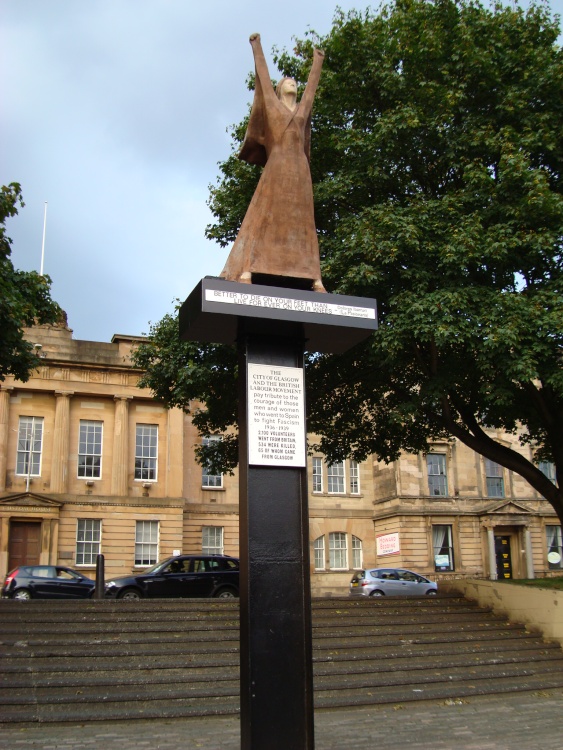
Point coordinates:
[[391, 582]]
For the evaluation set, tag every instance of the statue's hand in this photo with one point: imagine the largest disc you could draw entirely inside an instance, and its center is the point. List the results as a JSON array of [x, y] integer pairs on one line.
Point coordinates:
[[254, 37], [319, 53]]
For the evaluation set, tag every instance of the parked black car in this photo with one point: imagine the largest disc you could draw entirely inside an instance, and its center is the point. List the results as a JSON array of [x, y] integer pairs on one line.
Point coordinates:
[[46, 582], [182, 576]]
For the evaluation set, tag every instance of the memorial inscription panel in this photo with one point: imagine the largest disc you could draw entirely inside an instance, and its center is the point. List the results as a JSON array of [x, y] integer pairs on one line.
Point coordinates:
[[317, 307], [276, 416]]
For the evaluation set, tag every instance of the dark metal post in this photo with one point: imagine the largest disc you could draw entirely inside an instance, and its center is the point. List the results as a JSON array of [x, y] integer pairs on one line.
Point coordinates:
[[100, 590], [275, 619], [270, 326]]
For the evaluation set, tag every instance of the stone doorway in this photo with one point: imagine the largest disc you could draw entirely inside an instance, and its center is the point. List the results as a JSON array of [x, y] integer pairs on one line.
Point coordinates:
[[503, 557], [25, 543]]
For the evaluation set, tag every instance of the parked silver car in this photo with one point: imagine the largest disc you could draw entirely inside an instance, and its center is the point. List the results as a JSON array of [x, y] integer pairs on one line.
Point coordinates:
[[391, 582]]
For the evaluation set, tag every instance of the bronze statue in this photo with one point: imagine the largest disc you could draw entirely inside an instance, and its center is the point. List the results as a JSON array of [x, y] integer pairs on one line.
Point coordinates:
[[278, 237]]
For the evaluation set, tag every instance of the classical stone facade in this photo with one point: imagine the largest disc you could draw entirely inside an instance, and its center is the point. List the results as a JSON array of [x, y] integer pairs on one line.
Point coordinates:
[[90, 463], [463, 516], [70, 482]]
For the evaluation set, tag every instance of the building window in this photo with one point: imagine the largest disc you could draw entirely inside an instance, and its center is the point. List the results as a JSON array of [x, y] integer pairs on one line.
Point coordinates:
[[437, 479], [146, 542], [317, 474], [554, 547], [338, 551], [335, 475], [354, 478], [357, 557], [320, 553], [88, 540], [495, 481], [547, 468], [212, 540], [443, 548], [90, 450], [208, 479], [30, 441], [146, 452]]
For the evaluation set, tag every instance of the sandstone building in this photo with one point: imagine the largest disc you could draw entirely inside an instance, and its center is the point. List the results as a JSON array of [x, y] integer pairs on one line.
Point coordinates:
[[90, 463]]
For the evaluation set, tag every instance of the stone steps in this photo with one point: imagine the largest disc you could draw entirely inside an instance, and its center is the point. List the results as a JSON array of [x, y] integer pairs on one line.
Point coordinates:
[[226, 669], [227, 677], [132, 643], [325, 686], [347, 660], [83, 661], [107, 624]]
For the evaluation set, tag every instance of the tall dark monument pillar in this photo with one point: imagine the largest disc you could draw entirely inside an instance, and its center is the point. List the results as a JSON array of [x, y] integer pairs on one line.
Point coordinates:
[[276, 662], [271, 302], [272, 326]]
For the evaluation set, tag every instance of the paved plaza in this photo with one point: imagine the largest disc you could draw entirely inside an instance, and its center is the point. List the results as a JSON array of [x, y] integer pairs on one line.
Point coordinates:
[[521, 721]]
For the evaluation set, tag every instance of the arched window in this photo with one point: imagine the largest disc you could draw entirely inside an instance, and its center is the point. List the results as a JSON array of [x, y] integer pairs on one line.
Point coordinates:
[[317, 474], [320, 553], [357, 557], [338, 551]]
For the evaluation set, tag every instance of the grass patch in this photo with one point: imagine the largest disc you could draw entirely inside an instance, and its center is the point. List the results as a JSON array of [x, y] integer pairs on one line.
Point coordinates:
[[541, 583]]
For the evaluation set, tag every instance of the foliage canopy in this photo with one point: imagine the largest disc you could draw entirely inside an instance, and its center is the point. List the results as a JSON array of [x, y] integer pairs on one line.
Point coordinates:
[[25, 298], [437, 162]]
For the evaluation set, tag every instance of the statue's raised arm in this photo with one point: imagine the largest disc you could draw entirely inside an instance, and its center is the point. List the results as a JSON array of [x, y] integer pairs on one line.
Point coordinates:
[[313, 80], [277, 241]]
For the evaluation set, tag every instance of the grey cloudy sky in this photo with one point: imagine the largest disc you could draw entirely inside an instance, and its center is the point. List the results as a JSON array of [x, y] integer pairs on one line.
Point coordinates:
[[115, 113]]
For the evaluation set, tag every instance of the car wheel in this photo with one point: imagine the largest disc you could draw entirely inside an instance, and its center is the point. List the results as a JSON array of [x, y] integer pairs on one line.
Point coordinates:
[[22, 594], [129, 594], [432, 592], [225, 594], [377, 592]]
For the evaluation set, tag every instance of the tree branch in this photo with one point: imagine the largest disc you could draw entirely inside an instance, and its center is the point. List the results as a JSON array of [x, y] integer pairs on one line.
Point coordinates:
[[482, 443]]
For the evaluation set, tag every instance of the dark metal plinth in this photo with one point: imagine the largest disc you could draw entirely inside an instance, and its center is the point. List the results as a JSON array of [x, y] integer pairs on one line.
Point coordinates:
[[329, 322], [275, 618]]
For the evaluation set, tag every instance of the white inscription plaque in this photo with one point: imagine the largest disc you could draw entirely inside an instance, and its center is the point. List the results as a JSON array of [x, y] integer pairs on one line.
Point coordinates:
[[276, 416], [318, 307]]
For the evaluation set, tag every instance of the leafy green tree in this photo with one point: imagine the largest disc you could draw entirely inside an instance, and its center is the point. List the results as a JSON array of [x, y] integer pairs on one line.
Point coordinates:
[[25, 299], [437, 163]]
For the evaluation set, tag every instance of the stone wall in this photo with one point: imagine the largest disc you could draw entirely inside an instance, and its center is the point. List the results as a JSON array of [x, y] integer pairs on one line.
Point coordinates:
[[537, 608]]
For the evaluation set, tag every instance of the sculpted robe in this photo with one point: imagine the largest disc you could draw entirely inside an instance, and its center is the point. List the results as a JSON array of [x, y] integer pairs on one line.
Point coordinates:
[[277, 237]]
